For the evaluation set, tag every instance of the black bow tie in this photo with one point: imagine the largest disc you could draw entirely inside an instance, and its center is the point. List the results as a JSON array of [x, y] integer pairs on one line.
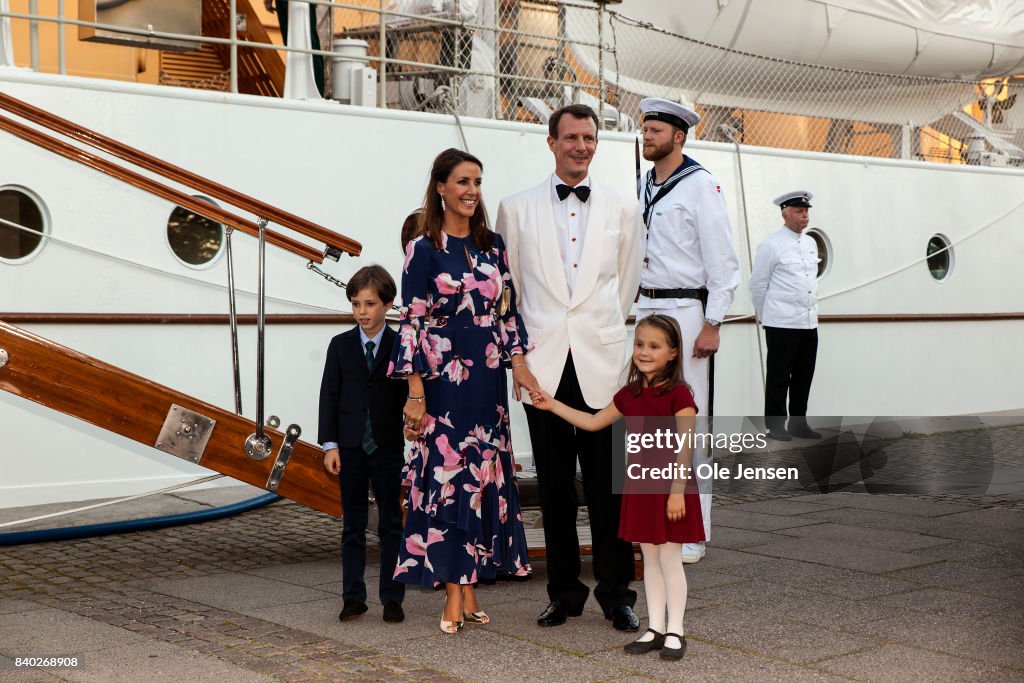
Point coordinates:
[[581, 191]]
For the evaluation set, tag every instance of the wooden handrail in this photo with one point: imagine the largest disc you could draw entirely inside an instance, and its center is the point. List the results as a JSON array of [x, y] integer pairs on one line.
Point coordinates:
[[179, 175], [199, 206]]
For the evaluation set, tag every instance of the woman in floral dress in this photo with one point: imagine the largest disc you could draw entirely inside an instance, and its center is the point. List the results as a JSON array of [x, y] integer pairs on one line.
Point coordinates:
[[459, 332]]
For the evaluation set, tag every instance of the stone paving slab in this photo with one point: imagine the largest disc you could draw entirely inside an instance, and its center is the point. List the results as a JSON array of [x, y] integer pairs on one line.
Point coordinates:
[[738, 539], [770, 636], [786, 602], [237, 591], [912, 665], [985, 639], [485, 656], [55, 632], [10, 606], [837, 554], [760, 521], [869, 538], [837, 581]]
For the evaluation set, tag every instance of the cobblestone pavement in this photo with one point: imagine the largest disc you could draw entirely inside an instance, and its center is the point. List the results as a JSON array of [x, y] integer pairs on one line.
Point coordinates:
[[796, 586]]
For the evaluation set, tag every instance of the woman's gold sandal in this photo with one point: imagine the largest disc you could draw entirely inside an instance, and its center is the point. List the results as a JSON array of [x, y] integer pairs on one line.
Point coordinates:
[[476, 617]]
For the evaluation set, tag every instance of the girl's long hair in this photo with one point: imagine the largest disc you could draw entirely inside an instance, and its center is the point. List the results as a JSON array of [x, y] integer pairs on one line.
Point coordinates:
[[432, 217], [669, 377]]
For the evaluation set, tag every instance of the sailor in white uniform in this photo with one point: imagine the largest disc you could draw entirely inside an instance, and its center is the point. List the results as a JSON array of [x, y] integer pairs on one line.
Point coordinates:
[[784, 289], [690, 268]]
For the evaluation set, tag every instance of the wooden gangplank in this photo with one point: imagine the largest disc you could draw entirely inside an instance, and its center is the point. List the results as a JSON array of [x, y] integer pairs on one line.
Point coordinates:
[[111, 398], [536, 550]]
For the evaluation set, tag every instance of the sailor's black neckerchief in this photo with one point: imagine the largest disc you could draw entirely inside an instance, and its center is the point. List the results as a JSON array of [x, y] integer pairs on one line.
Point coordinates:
[[651, 198], [688, 166]]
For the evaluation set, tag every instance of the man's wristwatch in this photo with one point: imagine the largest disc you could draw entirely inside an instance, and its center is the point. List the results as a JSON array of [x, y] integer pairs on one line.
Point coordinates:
[[713, 322]]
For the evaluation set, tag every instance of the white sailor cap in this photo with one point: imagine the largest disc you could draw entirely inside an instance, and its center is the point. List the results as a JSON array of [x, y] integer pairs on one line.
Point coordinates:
[[658, 109], [795, 198]]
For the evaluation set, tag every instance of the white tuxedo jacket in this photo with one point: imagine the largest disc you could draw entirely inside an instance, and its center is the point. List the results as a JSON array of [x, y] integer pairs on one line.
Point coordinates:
[[592, 322]]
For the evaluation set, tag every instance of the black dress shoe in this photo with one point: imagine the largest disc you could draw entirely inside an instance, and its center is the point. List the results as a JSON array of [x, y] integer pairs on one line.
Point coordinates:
[[674, 653], [556, 613], [623, 619], [393, 612], [779, 435], [642, 647], [352, 609], [805, 433]]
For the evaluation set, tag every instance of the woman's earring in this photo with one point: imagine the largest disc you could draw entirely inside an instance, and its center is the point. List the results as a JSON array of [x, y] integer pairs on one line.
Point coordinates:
[[443, 207]]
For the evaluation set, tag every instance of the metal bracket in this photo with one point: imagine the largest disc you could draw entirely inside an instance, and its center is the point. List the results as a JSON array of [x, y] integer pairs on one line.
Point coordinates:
[[258, 447], [185, 433], [277, 473], [3, 357]]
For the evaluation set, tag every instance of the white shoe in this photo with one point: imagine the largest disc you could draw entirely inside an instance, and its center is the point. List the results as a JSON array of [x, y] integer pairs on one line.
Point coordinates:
[[692, 552]]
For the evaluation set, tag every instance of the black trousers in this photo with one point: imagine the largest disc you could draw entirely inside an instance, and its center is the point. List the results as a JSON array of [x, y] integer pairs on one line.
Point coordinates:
[[791, 356], [383, 471], [318, 61], [556, 447]]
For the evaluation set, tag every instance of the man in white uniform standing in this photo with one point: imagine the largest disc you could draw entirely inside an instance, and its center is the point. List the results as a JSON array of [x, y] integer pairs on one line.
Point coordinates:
[[690, 268], [784, 289]]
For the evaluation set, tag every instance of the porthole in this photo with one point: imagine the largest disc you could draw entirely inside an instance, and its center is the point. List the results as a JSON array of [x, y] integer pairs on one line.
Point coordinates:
[[824, 250], [25, 209], [195, 240], [940, 257]]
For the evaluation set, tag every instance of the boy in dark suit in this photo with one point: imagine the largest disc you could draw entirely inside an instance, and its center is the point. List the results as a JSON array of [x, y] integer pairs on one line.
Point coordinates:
[[361, 434]]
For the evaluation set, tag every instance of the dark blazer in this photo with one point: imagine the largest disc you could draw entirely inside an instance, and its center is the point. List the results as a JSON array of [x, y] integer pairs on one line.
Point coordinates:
[[349, 389]]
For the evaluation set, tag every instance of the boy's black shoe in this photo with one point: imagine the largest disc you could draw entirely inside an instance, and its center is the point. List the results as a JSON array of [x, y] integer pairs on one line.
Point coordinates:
[[352, 609], [393, 612]]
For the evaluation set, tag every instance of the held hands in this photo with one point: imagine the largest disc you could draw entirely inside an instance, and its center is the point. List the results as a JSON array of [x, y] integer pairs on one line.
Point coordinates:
[[542, 399], [522, 378], [332, 461], [413, 414], [707, 342], [675, 509]]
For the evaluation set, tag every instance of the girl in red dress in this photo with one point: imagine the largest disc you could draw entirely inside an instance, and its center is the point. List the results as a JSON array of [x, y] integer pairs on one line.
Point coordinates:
[[661, 515]]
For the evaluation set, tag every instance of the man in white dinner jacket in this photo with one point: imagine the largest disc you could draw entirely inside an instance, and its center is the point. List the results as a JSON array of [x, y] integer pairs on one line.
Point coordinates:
[[574, 249]]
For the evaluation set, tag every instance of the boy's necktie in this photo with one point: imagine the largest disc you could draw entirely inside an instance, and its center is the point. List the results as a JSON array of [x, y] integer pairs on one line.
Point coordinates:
[[369, 445]]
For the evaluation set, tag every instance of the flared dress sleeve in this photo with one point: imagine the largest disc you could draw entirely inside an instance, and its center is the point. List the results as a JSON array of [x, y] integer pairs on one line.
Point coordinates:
[[514, 338], [416, 349]]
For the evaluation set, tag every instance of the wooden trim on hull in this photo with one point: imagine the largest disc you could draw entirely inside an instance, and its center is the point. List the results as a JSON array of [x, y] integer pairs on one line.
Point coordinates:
[[72, 383], [30, 318]]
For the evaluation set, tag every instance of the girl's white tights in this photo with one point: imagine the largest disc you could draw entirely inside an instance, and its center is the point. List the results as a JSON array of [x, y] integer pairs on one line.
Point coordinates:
[[665, 589]]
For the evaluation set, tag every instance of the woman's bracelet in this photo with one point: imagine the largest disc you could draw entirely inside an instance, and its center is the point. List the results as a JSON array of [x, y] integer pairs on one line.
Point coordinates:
[[518, 365], [416, 398]]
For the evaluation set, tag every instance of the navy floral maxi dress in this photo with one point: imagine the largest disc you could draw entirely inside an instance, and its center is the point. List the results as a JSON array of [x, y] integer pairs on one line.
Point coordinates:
[[464, 522]]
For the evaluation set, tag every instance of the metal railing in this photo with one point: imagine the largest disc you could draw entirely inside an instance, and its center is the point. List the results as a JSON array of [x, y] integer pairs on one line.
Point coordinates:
[[519, 60]]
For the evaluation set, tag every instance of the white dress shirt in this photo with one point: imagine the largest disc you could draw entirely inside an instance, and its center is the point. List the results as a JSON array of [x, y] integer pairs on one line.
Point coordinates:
[[784, 281], [689, 245], [571, 217]]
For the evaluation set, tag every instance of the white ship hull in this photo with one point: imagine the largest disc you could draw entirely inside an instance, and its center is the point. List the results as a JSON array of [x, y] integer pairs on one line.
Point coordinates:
[[361, 171]]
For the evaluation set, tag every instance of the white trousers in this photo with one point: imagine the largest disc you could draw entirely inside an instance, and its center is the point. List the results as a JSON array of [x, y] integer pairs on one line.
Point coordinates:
[[695, 374]]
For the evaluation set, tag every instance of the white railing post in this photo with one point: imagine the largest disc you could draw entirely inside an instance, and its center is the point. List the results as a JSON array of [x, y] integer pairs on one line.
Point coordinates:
[[382, 100], [62, 66], [33, 33], [233, 30]]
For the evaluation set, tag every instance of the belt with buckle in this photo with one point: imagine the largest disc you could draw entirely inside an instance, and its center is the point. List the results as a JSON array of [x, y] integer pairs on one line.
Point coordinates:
[[673, 293]]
